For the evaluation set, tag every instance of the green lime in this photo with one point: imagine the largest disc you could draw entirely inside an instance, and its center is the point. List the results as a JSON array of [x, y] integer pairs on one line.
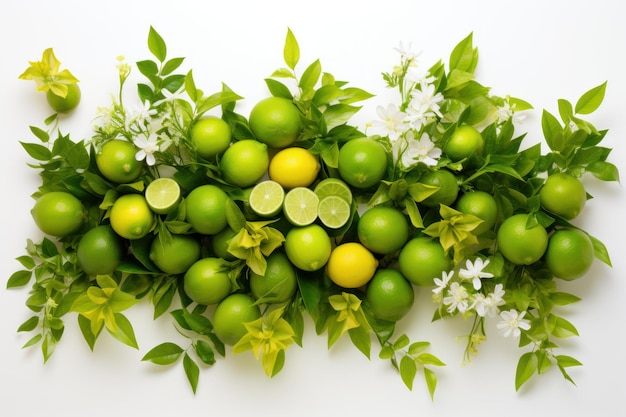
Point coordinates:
[[308, 247], [266, 198], [206, 209], [300, 206], [163, 195], [100, 251], [58, 213], [278, 284], [175, 254], [390, 295], [231, 314], [64, 104], [333, 211], [383, 229], [116, 161], [333, 186], [207, 281]]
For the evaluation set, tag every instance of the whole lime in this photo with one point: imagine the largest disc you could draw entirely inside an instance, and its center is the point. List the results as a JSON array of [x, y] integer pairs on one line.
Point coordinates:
[[275, 121], [362, 162], [383, 229], [231, 314], [564, 195], [174, 254], [569, 254], [422, 260], [278, 284], [58, 213], [206, 209], [100, 251], [520, 244], [207, 281], [389, 294]]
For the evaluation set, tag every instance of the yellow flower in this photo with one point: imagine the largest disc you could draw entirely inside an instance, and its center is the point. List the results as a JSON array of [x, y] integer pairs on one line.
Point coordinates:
[[47, 76]]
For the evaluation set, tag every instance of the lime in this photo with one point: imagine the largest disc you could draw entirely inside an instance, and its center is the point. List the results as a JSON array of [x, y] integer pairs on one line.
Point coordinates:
[[206, 209], [389, 295], [351, 265], [333, 211], [480, 204], [116, 161], [422, 259], [362, 162], [100, 251], [230, 315], [275, 121], [333, 186], [300, 206], [448, 187], [569, 254], [564, 195], [174, 254], [210, 136], [278, 284], [294, 167], [383, 229], [308, 247], [64, 104], [58, 213], [163, 195], [465, 142], [266, 198], [244, 163], [220, 242], [207, 282], [131, 217], [520, 244]]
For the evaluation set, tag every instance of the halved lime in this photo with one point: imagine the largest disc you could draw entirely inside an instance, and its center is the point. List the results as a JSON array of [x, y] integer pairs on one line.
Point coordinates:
[[266, 198], [163, 195], [300, 206], [333, 186], [333, 211]]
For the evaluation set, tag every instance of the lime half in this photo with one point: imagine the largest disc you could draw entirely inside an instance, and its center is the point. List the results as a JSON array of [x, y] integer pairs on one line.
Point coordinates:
[[266, 198], [163, 195], [334, 187], [333, 211], [300, 206]]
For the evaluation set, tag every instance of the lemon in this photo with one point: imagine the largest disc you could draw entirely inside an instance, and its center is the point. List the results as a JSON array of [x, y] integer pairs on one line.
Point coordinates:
[[131, 217], [351, 265], [294, 167]]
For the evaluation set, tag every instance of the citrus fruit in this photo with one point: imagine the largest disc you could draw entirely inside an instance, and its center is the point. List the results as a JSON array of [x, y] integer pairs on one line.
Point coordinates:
[[162, 195], [58, 213], [423, 259], [278, 284], [210, 136], [64, 104], [389, 295], [564, 195], [383, 229], [448, 187], [569, 254], [335, 187], [100, 251], [294, 167], [206, 209], [464, 142], [230, 315], [174, 254], [116, 161], [300, 206], [308, 247], [206, 281], [244, 163], [362, 162], [275, 121], [480, 204], [333, 211], [520, 244], [351, 265], [131, 217], [220, 242], [266, 198]]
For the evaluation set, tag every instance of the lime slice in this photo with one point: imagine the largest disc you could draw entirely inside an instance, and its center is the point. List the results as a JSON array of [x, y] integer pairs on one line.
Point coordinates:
[[266, 198], [300, 206], [333, 211], [333, 186], [162, 195]]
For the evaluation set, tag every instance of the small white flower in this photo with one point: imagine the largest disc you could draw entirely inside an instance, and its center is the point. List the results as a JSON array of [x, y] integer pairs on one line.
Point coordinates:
[[487, 306], [390, 123], [169, 96], [512, 322], [442, 283], [143, 113], [457, 298], [422, 150], [147, 145], [425, 100], [407, 52], [506, 111], [475, 272], [418, 75]]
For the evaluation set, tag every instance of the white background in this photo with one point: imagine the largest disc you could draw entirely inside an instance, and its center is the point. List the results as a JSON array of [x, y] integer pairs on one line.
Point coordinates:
[[536, 50]]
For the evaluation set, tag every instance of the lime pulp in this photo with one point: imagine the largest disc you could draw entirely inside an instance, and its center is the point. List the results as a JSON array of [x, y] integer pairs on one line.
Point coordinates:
[[163, 195], [300, 206], [266, 198], [334, 187], [333, 211]]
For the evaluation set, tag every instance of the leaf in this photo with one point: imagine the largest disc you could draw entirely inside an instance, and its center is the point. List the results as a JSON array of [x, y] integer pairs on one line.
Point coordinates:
[[551, 129], [234, 216], [19, 279], [360, 338], [156, 45], [32, 341], [205, 352], [310, 290], [604, 171], [278, 89], [310, 76], [192, 371], [408, 370], [291, 50], [36, 151], [190, 86], [339, 114], [164, 354], [29, 324], [41, 134], [564, 328], [148, 68], [600, 251], [563, 298], [591, 100], [401, 342], [526, 367], [124, 331], [429, 359], [85, 327], [464, 56], [171, 65], [431, 381]]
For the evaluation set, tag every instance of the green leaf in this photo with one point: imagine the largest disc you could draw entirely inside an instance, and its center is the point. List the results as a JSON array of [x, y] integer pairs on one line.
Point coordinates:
[[360, 338], [192, 371], [36, 151], [205, 352], [408, 370], [85, 327], [234, 216], [464, 56], [567, 361], [19, 279], [401, 342], [171, 65], [278, 89], [190, 86], [429, 359], [564, 328], [124, 331], [41, 134], [156, 45], [339, 114], [563, 298], [551, 129], [29, 324], [600, 251], [148, 68], [310, 76], [566, 110], [291, 51], [431, 382], [603, 170], [33, 341], [526, 367], [164, 354], [591, 100]]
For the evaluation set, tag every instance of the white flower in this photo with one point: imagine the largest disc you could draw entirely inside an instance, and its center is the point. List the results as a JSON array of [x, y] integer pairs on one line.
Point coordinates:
[[407, 52], [506, 111], [147, 145], [475, 272], [143, 113], [512, 322], [418, 75], [425, 100], [487, 306], [169, 96], [391, 122], [422, 150], [457, 298], [441, 285]]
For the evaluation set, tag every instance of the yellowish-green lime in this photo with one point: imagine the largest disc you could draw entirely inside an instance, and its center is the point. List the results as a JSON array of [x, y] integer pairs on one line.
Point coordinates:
[[300, 206], [266, 198], [333, 211], [333, 186], [163, 195]]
